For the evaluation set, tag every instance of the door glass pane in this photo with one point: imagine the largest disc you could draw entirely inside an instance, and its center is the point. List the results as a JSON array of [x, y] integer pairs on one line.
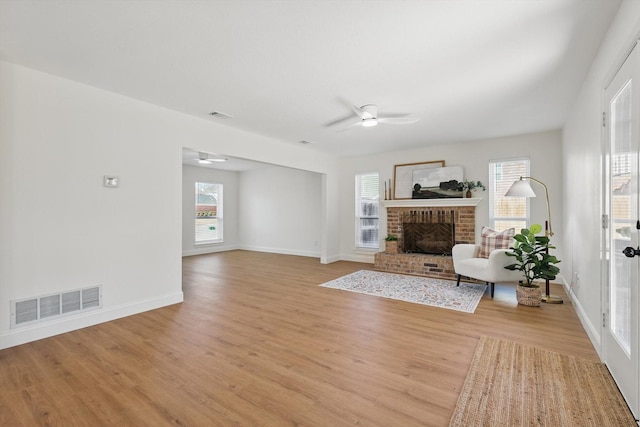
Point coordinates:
[[622, 213]]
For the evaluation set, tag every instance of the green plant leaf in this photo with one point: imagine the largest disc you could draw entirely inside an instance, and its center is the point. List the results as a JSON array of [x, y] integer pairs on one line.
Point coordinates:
[[526, 248], [520, 238], [551, 259], [535, 228]]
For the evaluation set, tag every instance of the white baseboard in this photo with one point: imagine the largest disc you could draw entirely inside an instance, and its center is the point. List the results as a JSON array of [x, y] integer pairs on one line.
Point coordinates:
[[209, 250], [356, 257], [310, 254], [330, 259], [593, 331], [71, 323]]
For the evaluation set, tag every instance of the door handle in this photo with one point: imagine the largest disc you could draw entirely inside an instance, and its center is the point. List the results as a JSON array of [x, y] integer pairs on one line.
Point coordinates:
[[630, 252]]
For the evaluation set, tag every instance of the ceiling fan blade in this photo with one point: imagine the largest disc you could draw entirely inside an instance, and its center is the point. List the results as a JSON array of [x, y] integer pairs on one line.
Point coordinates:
[[358, 123], [398, 120], [339, 121]]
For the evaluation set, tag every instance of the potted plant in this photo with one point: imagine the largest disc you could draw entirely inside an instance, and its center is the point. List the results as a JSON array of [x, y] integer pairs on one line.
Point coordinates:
[[391, 244], [533, 260], [468, 186]]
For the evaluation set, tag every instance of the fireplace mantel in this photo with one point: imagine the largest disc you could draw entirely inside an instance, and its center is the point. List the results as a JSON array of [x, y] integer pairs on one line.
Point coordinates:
[[430, 203]]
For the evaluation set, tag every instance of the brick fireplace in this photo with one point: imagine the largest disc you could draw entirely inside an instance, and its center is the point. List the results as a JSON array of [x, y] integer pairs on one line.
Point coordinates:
[[462, 212]]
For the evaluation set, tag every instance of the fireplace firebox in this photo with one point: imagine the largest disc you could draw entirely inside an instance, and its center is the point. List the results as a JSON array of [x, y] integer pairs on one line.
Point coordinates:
[[428, 232]]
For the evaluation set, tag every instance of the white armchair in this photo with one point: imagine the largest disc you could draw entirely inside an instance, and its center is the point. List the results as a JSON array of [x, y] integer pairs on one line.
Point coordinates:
[[467, 263]]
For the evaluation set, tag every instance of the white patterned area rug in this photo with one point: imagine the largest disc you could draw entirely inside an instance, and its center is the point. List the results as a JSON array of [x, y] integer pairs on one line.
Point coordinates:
[[420, 290]]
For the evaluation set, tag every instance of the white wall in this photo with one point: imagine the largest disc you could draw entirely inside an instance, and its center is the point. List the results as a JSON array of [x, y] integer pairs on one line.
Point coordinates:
[[582, 176], [281, 211], [331, 231], [543, 149], [229, 179], [60, 229]]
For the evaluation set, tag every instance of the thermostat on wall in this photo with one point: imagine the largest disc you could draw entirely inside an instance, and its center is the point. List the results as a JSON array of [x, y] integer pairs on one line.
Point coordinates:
[[111, 181]]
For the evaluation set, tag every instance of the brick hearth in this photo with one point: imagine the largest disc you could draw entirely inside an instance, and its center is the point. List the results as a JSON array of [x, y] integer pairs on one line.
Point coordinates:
[[439, 266]]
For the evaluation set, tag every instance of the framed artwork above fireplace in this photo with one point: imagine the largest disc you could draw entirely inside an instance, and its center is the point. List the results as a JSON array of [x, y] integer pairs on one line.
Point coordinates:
[[403, 177], [437, 183]]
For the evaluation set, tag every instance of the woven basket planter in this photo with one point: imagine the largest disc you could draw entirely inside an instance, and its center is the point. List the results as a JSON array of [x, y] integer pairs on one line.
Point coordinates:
[[531, 297], [391, 246]]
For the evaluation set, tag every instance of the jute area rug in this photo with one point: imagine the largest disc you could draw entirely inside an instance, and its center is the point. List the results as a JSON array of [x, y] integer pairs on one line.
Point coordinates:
[[421, 290], [511, 384]]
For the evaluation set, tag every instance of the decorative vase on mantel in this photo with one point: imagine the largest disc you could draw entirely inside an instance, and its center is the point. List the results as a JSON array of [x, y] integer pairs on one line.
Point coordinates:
[[466, 187]]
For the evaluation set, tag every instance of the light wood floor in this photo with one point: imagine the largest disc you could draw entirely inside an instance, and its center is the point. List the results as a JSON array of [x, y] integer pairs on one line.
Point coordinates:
[[258, 343]]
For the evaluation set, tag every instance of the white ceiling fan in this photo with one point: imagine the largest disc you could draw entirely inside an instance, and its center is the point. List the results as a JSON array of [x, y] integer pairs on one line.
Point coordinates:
[[368, 117], [206, 159]]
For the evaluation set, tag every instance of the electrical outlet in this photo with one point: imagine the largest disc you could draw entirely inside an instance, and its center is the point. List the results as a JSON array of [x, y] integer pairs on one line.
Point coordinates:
[[576, 279]]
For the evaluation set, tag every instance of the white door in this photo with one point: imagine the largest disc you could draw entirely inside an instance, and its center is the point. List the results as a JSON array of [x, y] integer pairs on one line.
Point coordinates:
[[620, 335]]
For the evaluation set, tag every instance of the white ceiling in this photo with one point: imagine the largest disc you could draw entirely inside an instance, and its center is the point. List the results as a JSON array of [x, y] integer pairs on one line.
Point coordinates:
[[469, 69]]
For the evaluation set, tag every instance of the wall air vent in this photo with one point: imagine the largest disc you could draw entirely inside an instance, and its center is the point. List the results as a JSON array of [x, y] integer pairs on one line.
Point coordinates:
[[46, 307]]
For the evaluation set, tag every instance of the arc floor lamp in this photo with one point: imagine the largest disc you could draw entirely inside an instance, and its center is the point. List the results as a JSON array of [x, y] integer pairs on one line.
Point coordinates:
[[522, 188]]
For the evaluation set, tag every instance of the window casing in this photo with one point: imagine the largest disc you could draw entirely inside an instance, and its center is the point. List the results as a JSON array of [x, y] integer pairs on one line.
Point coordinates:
[[367, 208], [507, 212], [208, 213]]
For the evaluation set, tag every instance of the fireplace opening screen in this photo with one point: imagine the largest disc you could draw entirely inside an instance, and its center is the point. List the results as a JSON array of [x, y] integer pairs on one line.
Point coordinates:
[[427, 233]]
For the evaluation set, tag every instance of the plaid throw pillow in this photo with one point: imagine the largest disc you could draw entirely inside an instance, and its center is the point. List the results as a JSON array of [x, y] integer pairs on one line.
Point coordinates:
[[492, 239]]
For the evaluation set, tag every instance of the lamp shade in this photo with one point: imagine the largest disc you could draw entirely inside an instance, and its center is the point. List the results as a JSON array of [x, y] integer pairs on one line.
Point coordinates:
[[520, 188]]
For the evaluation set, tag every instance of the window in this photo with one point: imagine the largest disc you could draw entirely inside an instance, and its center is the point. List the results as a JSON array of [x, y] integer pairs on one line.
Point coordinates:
[[208, 212], [367, 202], [507, 212]]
